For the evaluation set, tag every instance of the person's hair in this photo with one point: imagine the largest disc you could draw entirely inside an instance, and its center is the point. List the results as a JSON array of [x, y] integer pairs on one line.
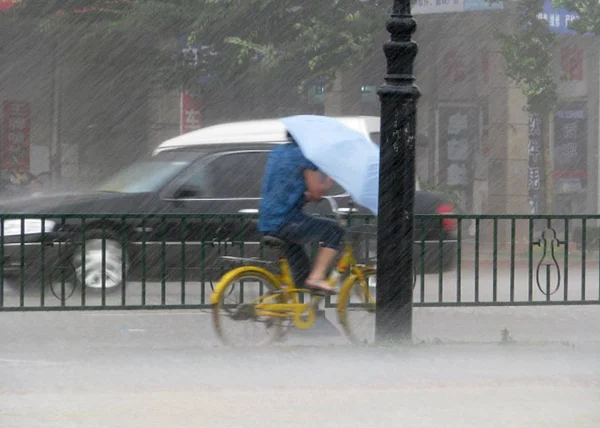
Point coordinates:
[[290, 137]]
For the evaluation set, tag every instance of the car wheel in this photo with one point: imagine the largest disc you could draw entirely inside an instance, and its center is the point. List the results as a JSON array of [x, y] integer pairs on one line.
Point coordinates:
[[113, 267], [432, 262]]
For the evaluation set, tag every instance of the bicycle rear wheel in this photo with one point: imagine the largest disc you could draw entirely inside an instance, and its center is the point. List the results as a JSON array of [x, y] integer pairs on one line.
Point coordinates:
[[234, 315], [356, 308]]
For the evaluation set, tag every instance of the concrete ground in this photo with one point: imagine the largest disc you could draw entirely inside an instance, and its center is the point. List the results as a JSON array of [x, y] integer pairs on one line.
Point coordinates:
[[166, 369]]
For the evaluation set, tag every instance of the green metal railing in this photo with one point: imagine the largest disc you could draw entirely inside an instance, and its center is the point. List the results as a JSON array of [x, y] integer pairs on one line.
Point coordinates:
[[166, 261]]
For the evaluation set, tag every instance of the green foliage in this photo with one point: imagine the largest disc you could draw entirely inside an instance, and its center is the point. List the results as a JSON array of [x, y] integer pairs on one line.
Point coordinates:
[[588, 12], [528, 54], [295, 39]]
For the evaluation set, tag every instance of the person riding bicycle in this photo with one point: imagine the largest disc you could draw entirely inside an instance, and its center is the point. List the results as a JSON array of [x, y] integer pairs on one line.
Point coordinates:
[[289, 182]]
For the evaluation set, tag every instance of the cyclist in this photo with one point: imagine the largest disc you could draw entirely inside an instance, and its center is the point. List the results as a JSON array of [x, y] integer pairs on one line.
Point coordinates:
[[290, 181]]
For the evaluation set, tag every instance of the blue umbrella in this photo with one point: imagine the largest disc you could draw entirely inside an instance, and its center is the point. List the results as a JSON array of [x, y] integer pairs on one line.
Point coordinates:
[[347, 156]]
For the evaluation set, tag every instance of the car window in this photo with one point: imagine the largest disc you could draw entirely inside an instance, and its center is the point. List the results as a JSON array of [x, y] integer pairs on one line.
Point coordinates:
[[238, 175], [375, 137], [234, 175], [143, 176]]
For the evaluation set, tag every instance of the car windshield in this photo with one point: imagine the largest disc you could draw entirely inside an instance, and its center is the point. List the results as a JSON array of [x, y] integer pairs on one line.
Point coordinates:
[[147, 175]]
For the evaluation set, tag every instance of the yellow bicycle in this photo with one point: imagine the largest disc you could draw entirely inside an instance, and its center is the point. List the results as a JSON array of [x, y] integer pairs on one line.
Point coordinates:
[[252, 305]]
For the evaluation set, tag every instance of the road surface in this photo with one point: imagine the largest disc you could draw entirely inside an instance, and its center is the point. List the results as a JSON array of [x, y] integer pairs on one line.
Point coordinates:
[[165, 369]]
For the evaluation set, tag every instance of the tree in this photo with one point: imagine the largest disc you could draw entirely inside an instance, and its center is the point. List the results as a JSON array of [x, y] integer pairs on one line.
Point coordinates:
[[588, 12], [293, 40], [528, 54]]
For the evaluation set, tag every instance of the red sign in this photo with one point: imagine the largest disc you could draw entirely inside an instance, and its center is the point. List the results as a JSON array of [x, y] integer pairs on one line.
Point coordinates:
[[485, 65], [5, 4], [191, 113], [15, 135], [571, 63], [454, 66]]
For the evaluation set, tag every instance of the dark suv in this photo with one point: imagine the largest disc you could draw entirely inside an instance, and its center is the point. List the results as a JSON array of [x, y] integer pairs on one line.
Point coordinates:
[[185, 196]]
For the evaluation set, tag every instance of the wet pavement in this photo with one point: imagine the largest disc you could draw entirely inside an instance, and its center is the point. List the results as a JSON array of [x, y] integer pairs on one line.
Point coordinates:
[[163, 369]]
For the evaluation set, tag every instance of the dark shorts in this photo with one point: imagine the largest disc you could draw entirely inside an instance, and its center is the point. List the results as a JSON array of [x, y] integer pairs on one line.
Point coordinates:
[[306, 230]]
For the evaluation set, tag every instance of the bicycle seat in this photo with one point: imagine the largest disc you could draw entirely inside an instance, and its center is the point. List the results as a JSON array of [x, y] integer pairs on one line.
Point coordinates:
[[272, 242]]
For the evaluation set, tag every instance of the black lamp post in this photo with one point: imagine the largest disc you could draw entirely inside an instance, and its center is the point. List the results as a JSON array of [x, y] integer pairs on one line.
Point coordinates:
[[395, 239]]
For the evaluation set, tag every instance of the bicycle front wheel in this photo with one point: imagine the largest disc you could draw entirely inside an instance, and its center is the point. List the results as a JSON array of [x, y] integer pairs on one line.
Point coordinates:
[[235, 318], [356, 307]]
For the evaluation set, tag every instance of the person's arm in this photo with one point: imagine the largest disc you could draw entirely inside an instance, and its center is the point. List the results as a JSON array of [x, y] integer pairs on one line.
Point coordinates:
[[316, 187]]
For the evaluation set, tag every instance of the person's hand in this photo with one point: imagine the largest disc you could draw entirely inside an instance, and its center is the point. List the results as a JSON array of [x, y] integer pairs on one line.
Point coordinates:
[[310, 197]]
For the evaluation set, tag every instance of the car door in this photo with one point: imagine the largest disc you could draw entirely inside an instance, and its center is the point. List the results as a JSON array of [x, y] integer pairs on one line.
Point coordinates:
[[217, 194]]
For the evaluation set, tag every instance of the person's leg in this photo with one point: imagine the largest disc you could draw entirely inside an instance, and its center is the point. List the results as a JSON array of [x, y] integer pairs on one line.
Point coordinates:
[[299, 262], [325, 257], [330, 235], [307, 229]]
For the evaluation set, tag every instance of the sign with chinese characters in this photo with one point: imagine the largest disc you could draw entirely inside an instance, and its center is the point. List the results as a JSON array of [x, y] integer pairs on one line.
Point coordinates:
[[558, 19], [479, 5], [571, 63], [5, 4], [15, 135], [570, 149], [456, 69], [457, 140], [422, 7], [191, 113], [437, 6], [453, 63], [535, 169], [485, 65]]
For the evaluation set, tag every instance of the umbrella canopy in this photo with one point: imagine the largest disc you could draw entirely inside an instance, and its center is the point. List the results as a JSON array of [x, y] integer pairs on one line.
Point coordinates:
[[347, 156]]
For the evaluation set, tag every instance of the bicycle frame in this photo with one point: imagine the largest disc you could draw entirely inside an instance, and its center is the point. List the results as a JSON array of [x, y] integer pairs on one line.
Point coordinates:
[[286, 302]]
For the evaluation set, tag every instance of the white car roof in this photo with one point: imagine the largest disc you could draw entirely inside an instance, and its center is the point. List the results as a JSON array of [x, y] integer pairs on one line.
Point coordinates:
[[255, 131]]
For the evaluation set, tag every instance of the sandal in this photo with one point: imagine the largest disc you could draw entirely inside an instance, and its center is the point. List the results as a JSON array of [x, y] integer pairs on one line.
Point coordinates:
[[320, 286]]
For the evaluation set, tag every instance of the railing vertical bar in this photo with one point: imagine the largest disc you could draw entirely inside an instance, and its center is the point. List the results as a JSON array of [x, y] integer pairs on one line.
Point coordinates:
[[513, 232], [123, 261], [103, 262], [548, 281], [183, 261], [1, 262], [42, 256], [459, 261], [477, 248], [367, 240], [63, 291], [203, 261], [583, 256], [422, 258], [495, 261], [83, 261], [261, 255], [530, 253], [163, 258], [144, 260], [22, 265], [566, 261], [440, 262], [241, 243]]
